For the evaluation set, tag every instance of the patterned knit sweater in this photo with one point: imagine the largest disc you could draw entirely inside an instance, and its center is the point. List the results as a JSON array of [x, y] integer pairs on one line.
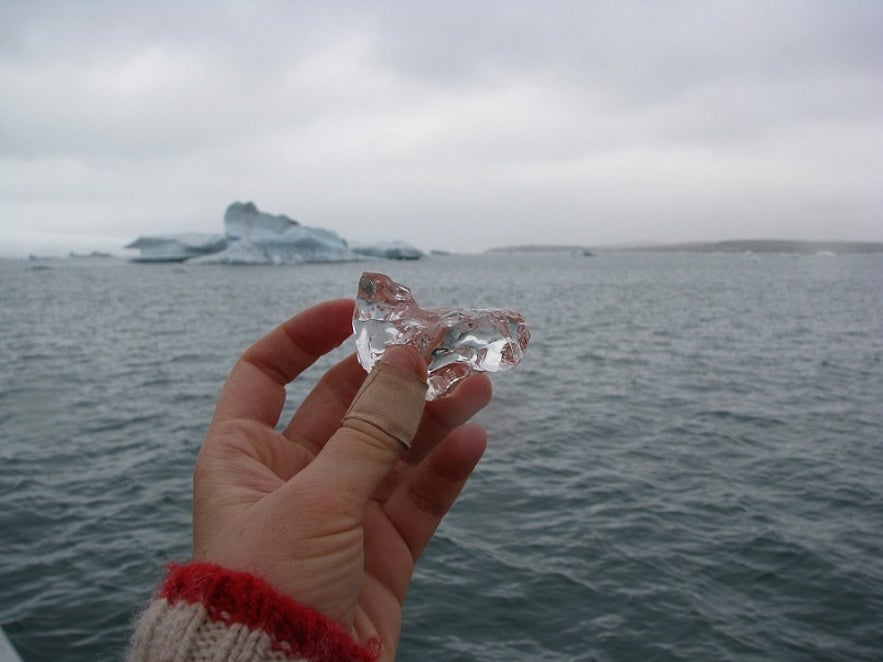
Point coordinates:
[[205, 612]]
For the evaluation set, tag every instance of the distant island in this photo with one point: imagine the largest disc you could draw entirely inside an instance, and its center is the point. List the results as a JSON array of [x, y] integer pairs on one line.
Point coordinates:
[[543, 248], [731, 246]]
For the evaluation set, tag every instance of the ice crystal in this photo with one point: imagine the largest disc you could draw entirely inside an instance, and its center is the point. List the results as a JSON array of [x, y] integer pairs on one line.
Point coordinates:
[[455, 342]]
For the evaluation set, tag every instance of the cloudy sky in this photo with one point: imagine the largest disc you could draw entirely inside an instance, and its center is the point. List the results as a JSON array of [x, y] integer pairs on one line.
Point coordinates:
[[451, 125]]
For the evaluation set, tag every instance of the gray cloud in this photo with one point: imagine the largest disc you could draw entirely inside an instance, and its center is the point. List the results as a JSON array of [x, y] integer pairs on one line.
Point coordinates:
[[452, 125]]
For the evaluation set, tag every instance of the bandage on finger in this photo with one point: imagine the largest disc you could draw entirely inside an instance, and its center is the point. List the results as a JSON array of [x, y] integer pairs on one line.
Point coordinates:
[[391, 400]]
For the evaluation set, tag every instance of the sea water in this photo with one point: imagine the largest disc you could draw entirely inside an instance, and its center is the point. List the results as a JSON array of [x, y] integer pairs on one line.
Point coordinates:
[[687, 465]]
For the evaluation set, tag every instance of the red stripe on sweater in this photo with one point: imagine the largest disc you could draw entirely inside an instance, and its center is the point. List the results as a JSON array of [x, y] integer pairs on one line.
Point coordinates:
[[239, 597]]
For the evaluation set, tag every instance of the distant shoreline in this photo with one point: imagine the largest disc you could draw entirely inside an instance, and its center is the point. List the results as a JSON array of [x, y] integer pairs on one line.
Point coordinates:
[[779, 246], [731, 246]]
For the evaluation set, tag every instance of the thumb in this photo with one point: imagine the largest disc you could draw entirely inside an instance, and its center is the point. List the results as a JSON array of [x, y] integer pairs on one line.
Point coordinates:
[[378, 426]]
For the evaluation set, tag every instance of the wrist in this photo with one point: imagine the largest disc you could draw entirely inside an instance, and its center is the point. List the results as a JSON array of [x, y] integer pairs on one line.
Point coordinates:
[[237, 616]]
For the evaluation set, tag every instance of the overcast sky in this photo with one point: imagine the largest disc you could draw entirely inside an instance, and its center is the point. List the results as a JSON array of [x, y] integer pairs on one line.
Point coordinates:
[[450, 125]]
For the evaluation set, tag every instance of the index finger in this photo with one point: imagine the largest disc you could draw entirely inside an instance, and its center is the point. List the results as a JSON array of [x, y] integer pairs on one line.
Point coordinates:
[[255, 388]]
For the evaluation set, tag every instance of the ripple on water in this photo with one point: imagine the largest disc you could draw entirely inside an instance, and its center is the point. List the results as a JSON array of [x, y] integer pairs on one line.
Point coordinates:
[[686, 465]]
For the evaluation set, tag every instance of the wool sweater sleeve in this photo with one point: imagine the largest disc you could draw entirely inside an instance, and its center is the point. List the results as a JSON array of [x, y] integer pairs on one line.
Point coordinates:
[[205, 612]]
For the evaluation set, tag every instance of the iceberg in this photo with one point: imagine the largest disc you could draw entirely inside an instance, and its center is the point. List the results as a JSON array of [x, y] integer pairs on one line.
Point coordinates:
[[236, 252], [391, 250], [177, 247], [255, 237], [250, 237], [243, 220]]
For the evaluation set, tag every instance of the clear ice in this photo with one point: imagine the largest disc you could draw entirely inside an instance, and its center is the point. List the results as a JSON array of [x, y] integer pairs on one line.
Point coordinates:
[[455, 342]]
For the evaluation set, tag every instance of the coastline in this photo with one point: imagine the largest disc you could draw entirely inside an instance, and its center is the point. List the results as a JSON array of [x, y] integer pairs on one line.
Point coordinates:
[[728, 246]]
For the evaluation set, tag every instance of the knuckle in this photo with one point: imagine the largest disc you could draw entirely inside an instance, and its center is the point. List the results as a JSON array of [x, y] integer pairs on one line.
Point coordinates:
[[425, 503]]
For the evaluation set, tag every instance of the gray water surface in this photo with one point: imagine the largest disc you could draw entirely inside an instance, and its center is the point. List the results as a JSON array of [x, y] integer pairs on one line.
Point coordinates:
[[687, 465]]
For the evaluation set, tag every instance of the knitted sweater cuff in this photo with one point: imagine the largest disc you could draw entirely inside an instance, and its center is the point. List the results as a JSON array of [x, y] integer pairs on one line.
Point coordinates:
[[203, 611]]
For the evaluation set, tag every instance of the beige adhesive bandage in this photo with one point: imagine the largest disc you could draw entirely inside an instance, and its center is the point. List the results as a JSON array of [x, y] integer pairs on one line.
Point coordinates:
[[391, 400]]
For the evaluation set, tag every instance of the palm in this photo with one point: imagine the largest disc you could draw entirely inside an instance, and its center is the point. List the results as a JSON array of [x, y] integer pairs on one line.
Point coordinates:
[[264, 501]]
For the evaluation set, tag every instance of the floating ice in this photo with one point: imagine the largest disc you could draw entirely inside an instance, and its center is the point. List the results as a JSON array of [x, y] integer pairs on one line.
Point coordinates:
[[455, 342], [177, 247], [391, 250], [250, 237], [255, 237]]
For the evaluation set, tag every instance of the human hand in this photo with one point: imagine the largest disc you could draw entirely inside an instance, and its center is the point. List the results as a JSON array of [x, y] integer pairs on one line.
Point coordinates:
[[332, 516]]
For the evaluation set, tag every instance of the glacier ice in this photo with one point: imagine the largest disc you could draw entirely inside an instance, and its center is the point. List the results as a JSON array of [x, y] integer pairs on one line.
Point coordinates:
[[250, 237], [177, 247], [255, 237], [243, 220], [391, 250], [455, 342]]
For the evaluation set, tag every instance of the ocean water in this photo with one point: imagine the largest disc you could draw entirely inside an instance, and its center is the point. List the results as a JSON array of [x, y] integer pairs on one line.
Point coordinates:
[[688, 464]]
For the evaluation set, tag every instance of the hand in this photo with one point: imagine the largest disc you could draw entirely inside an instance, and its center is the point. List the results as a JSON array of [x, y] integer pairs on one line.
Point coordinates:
[[334, 517]]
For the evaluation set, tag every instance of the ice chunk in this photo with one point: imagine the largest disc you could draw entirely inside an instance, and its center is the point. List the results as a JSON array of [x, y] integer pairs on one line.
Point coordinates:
[[455, 342], [177, 247], [391, 250]]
